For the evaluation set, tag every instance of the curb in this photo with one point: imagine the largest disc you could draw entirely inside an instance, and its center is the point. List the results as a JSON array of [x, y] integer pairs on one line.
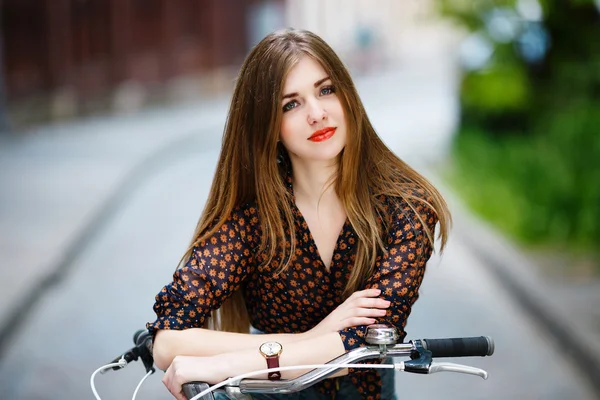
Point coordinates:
[[521, 279]]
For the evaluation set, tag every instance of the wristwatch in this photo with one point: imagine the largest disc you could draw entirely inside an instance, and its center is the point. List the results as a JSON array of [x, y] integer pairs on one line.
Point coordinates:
[[271, 352]]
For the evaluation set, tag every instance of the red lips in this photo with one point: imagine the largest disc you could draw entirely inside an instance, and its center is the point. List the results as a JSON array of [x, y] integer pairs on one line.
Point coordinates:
[[322, 134]]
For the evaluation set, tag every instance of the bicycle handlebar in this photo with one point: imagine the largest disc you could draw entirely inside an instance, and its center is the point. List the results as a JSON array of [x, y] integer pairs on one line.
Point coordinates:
[[459, 347], [381, 344], [142, 350]]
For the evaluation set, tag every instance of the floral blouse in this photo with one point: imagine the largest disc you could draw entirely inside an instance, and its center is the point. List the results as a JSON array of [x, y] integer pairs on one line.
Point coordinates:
[[298, 299]]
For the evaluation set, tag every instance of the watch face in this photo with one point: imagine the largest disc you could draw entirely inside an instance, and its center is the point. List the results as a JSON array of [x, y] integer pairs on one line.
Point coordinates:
[[270, 349]]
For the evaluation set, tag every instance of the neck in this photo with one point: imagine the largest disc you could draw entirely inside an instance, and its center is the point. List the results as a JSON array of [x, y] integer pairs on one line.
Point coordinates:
[[313, 181]]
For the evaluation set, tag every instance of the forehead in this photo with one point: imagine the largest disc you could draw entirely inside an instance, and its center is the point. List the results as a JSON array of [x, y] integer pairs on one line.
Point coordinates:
[[305, 73]]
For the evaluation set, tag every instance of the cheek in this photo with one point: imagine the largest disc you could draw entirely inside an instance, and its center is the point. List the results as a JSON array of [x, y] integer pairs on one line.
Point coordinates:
[[338, 110], [288, 129]]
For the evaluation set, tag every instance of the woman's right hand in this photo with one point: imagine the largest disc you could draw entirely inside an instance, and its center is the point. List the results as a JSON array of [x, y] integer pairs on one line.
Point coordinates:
[[361, 308]]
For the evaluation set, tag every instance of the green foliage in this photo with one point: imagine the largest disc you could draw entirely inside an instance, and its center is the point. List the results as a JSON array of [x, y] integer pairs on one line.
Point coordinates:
[[540, 188], [496, 90], [468, 13], [528, 154]]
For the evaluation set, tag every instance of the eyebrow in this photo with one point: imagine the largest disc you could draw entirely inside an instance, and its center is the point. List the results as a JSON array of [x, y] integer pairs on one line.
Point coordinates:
[[317, 83]]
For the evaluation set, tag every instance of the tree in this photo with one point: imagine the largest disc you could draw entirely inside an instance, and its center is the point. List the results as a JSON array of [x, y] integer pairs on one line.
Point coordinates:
[[530, 97]]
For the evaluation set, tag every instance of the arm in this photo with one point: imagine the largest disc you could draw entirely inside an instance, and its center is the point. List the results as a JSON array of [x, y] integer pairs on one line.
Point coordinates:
[[217, 267], [205, 342], [399, 272], [358, 309], [312, 350]]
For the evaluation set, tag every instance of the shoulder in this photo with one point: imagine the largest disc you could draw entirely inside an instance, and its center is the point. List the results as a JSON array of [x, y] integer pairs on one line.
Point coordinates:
[[412, 211], [246, 218], [246, 213], [241, 219]]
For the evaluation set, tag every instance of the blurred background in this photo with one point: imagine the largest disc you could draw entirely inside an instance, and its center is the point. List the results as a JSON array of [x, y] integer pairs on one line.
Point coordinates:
[[111, 115]]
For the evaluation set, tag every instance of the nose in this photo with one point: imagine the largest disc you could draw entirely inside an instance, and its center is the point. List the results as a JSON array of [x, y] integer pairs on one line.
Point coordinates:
[[316, 112]]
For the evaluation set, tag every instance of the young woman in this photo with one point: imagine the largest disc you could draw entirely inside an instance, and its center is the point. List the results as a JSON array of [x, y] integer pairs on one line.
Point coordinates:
[[313, 230]]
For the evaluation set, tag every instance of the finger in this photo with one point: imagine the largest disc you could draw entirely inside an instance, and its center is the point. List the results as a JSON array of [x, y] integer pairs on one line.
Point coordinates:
[[368, 312], [371, 303], [364, 293], [174, 392], [358, 321], [367, 293], [361, 294], [169, 381], [177, 386], [165, 380], [177, 391]]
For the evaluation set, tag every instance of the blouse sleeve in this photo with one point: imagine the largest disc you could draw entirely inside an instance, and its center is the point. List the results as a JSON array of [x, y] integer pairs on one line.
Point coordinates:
[[215, 269], [399, 272]]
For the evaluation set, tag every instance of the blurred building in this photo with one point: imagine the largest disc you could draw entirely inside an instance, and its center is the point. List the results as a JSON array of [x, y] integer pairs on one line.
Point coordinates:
[[66, 58], [368, 34], [70, 57]]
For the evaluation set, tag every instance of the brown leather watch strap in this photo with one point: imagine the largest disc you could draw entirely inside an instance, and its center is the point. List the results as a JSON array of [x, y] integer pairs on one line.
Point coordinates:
[[273, 362]]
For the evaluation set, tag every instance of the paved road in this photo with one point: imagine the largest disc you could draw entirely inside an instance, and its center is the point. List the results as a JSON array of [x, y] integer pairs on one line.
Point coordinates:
[[89, 316]]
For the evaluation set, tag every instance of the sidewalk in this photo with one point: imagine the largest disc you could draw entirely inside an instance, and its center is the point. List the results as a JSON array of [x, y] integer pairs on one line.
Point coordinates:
[[60, 181], [566, 308]]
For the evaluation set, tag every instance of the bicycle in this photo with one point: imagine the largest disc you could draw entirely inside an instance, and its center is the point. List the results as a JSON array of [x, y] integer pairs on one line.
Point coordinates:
[[381, 343]]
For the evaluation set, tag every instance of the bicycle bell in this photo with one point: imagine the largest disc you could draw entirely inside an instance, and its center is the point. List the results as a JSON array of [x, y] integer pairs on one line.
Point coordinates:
[[382, 334]]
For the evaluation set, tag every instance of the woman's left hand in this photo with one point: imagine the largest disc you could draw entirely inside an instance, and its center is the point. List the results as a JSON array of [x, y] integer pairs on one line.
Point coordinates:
[[186, 369]]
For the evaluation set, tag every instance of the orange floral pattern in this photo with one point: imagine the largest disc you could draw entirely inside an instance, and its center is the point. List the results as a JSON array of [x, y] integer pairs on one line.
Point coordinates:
[[298, 299]]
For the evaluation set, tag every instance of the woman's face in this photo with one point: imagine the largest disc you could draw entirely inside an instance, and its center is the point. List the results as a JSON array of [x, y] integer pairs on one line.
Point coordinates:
[[313, 127]]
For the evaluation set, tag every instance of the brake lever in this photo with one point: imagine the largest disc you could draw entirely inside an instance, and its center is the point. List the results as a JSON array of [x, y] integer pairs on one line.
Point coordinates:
[[452, 367], [422, 363]]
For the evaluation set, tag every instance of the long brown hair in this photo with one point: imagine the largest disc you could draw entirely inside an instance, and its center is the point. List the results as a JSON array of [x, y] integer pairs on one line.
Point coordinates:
[[248, 169]]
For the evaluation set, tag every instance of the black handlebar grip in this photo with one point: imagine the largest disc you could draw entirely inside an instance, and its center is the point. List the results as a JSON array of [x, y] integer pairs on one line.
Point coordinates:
[[192, 389], [460, 347], [138, 334]]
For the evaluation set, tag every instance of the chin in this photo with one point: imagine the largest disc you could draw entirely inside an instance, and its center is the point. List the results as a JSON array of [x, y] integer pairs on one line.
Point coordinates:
[[327, 156], [326, 153]]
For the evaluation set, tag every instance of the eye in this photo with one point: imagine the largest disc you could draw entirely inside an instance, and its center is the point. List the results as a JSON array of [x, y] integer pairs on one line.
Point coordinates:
[[327, 90], [288, 106]]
